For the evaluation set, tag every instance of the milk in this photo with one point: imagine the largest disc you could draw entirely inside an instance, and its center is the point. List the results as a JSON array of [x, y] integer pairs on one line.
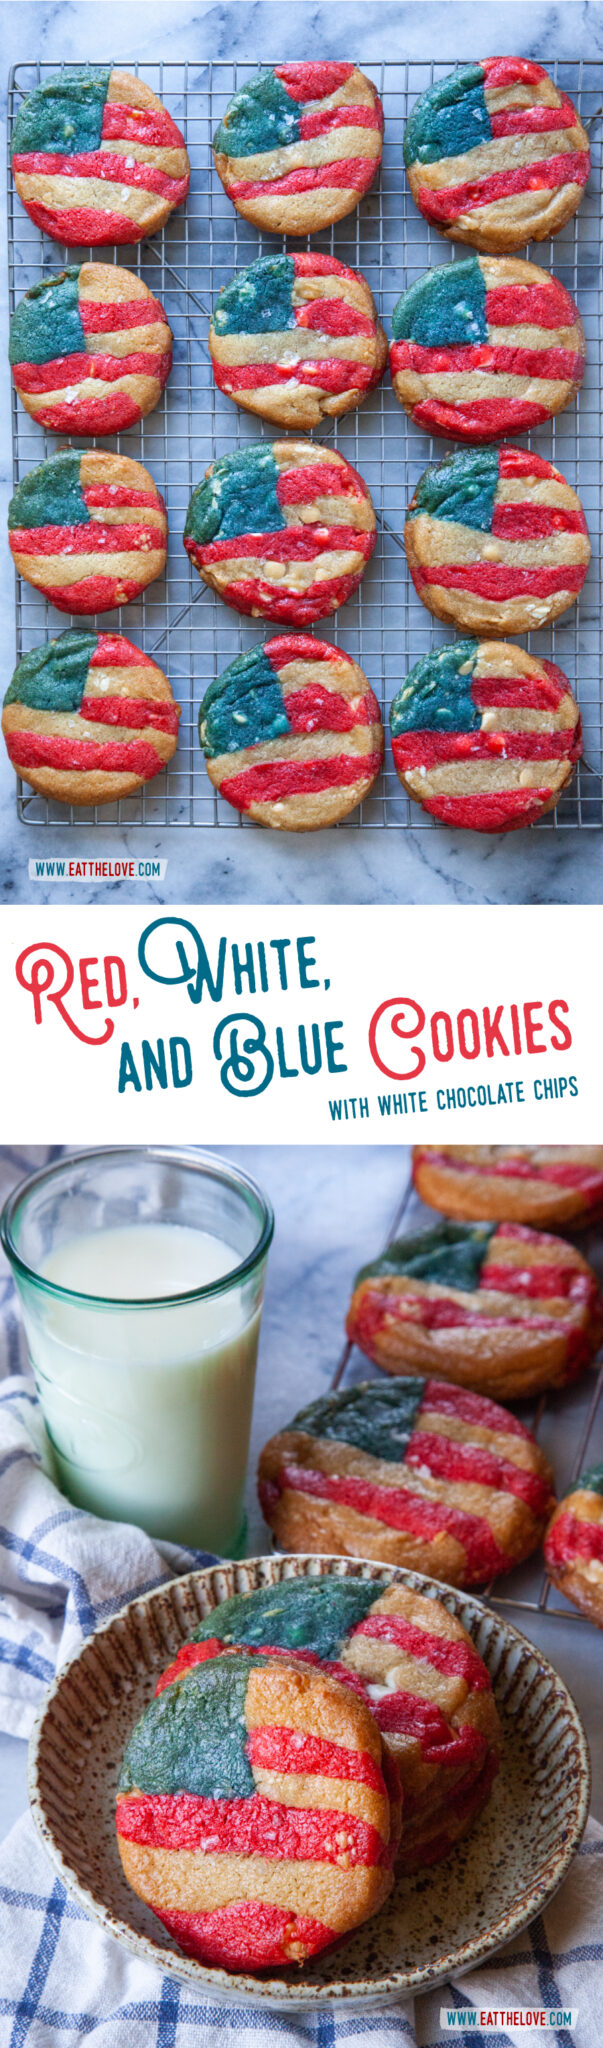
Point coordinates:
[[149, 1408]]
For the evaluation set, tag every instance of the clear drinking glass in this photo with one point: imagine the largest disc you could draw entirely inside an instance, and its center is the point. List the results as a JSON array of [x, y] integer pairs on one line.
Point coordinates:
[[146, 1389]]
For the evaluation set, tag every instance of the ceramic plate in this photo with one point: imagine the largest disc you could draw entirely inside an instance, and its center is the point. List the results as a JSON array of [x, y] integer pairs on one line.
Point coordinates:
[[440, 1921]]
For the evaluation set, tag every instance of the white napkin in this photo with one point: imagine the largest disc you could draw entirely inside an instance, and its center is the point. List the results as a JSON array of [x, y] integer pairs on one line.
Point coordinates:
[[61, 1978]]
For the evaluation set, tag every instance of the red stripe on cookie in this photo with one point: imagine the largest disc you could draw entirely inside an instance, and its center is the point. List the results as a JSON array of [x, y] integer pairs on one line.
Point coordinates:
[[247, 1936], [249, 1827], [451, 200], [315, 709], [428, 749], [497, 581], [131, 711], [283, 1749], [459, 1659], [571, 1538], [100, 317], [445, 1459], [273, 780], [400, 1509], [52, 750], [355, 174]]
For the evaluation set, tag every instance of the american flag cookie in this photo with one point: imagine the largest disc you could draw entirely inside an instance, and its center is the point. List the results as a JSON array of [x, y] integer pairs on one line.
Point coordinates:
[[296, 338], [496, 155], [253, 1812], [96, 158], [292, 733], [552, 1185], [485, 736], [299, 145], [88, 530], [415, 1473], [574, 1545], [496, 541], [504, 1310], [282, 530], [416, 1668], [90, 350], [485, 346], [88, 718]]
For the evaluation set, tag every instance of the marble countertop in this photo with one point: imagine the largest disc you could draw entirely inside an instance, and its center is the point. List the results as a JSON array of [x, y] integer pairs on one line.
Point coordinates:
[[423, 866], [325, 1229]]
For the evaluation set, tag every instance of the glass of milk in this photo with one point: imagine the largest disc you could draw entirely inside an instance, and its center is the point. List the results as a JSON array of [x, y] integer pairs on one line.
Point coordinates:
[[141, 1276]]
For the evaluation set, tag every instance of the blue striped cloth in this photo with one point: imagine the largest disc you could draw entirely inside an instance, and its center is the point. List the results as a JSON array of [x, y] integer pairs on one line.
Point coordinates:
[[62, 1979]]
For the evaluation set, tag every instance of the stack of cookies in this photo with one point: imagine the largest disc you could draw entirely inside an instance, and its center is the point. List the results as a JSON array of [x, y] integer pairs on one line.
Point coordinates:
[[309, 1739]]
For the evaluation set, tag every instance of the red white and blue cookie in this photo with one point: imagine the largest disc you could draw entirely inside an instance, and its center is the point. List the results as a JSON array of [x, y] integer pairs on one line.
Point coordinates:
[[88, 530], [501, 1308], [496, 541], [292, 733], [416, 1474], [295, 338], [415, 1666], [485, 736], [574, 1545], [496, 154], [88, 718], [253, 1813], [90, 350], [282, 530], [299, 145], [542, 1184], [96, 158], [486, 346]]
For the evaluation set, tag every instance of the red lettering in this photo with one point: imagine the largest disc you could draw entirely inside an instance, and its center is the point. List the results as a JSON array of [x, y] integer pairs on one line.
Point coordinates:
[[493, 1034], [468, 1018], [442, 1052], [88, 982], [532, 1024], [115, 981], [401, 1028], [515, 1028], [563, 1042]]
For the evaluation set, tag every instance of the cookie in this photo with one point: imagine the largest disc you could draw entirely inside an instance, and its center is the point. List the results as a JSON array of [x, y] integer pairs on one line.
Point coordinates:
[[253, 1814], [574, 1545], [485, 736], [486, 346], [415, 1666], [502, 1309], [282, 530], [496, 155], [541, 1184], [292, 733], [297, 338], [96, 158], [88, 718], [416, 1474], [90, 350], [496, 540], [299, 145], [88, 530]]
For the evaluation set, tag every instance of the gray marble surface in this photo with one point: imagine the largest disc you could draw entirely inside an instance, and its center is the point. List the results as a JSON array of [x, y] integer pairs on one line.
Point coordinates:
[[369, 865], [334, 1210]]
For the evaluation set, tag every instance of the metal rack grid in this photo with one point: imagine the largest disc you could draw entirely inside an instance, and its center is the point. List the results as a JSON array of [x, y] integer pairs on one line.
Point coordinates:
[[568, 1425], [190, 632]]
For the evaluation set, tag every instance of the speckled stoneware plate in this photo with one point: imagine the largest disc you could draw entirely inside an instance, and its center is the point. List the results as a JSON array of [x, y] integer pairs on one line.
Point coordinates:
[[440, 1921]]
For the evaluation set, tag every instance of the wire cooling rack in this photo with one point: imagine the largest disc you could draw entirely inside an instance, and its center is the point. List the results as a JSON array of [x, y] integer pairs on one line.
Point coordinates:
[[568, 1426], [188, 630]]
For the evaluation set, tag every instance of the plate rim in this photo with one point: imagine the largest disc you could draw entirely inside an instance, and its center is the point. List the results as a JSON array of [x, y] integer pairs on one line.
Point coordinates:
[[275, 1992]]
